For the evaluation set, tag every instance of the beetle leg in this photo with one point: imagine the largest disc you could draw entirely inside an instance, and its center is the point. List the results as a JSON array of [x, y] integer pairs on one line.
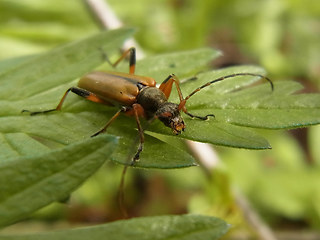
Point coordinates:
[[166, 86], [54, 109], [81, 92], [132, 59], [184, 109], [123, 109], [137, 109]]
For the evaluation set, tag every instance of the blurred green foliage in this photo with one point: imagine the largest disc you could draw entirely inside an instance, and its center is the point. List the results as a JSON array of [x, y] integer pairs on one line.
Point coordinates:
[[29, 27], [281, 35]]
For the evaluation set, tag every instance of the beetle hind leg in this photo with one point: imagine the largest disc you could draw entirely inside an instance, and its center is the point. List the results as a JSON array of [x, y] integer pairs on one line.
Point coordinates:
[[79, 91], [51, 110]]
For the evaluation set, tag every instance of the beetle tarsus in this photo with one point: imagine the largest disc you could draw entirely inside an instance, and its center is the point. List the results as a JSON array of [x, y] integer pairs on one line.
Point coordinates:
[[200, 117], [39, 112], [97, 133], [206, 117], [137, 156]]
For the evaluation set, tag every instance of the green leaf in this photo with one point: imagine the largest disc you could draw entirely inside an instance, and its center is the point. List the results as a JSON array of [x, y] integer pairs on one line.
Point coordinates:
[[62, 65], [11, 63], [217, 130], [125, 127], [237, 106], [218, 133], [255, 107], [40, 167], [170, 157], [31, 182], [163, 227], [79, 118], [258, 107], [31, 82], [182, 64]]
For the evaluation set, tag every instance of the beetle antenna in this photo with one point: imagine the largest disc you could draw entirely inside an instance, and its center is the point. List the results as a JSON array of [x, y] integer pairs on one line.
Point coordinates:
[[226, 77]]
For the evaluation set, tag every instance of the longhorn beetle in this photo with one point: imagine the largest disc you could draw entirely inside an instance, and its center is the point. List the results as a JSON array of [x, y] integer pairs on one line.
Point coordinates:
[[138, 96]]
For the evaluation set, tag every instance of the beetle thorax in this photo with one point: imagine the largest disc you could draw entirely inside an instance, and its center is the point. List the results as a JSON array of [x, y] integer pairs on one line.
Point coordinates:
[[151, 98], [155, 103]]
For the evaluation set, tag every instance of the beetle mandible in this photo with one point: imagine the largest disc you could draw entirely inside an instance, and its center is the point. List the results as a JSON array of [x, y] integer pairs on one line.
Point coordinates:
[[138, 96]]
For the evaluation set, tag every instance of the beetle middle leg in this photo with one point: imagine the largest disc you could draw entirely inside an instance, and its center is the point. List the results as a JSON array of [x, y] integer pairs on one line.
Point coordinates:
[[123, 109], [137, 111]]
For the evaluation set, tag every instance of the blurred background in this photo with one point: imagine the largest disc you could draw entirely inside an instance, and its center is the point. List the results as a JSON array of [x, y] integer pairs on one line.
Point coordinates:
[[283, 36]]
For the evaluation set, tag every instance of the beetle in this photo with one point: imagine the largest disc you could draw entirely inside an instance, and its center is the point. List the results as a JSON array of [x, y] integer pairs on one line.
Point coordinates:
[[138, 96]]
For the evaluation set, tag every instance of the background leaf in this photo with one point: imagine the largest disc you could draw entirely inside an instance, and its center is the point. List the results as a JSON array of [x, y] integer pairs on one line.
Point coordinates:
[[232, 101], [61, 65], [29, 183], [165, 227], [39, 80], [80, 118], [40, 169]]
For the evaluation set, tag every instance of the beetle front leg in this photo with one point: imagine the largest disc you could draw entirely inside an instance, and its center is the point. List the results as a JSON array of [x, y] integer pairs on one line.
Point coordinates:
[[166, 86], [184, 109]]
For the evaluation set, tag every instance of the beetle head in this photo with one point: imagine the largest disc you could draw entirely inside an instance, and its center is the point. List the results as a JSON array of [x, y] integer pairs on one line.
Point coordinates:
[[169, 114]]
